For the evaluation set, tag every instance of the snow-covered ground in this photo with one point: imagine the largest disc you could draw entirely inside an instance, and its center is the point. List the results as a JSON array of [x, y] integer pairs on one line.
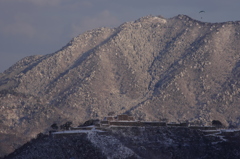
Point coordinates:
[[229, 130]]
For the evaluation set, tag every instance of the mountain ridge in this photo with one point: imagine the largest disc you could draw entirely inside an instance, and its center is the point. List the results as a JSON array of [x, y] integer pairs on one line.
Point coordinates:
[[153, 68]]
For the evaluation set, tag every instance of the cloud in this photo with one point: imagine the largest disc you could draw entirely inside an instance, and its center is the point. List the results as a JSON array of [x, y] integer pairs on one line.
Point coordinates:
[[42, 2], [102, 19], [19, 28], [18, 24], [79, 5]]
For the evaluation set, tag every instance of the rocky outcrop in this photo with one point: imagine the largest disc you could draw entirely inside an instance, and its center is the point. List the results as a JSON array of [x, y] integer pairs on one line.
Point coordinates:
[[153, 68]]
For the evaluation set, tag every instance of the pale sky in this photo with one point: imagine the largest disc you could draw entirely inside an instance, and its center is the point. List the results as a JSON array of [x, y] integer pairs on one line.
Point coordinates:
[[39, 27]]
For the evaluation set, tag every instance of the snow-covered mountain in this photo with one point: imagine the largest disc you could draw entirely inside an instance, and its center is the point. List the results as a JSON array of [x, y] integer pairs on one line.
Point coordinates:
[[153, 68]]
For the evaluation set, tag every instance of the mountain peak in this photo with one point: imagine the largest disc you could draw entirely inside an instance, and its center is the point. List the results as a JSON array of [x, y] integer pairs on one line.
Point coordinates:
[[151, 18]]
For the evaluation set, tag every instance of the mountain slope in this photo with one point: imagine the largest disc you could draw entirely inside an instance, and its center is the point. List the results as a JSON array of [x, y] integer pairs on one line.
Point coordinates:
[[153, 68]]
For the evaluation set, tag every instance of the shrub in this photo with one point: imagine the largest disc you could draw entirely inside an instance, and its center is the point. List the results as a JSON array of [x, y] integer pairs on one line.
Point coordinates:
[[90, 122], [217, 124], [66, 126], [54, 126]]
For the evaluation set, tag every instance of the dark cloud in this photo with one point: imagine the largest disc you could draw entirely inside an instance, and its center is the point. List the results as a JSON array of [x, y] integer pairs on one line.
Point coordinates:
[[29, 27]]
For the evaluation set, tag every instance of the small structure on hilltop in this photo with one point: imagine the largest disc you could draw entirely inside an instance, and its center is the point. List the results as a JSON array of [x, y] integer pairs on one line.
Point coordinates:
[[110, 118], [122, 117], [173, 124], [125, 120], [125, 117], [117, 120]]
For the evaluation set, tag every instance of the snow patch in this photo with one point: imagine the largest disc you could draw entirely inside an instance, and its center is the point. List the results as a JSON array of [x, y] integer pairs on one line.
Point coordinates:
[[110, 146]]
